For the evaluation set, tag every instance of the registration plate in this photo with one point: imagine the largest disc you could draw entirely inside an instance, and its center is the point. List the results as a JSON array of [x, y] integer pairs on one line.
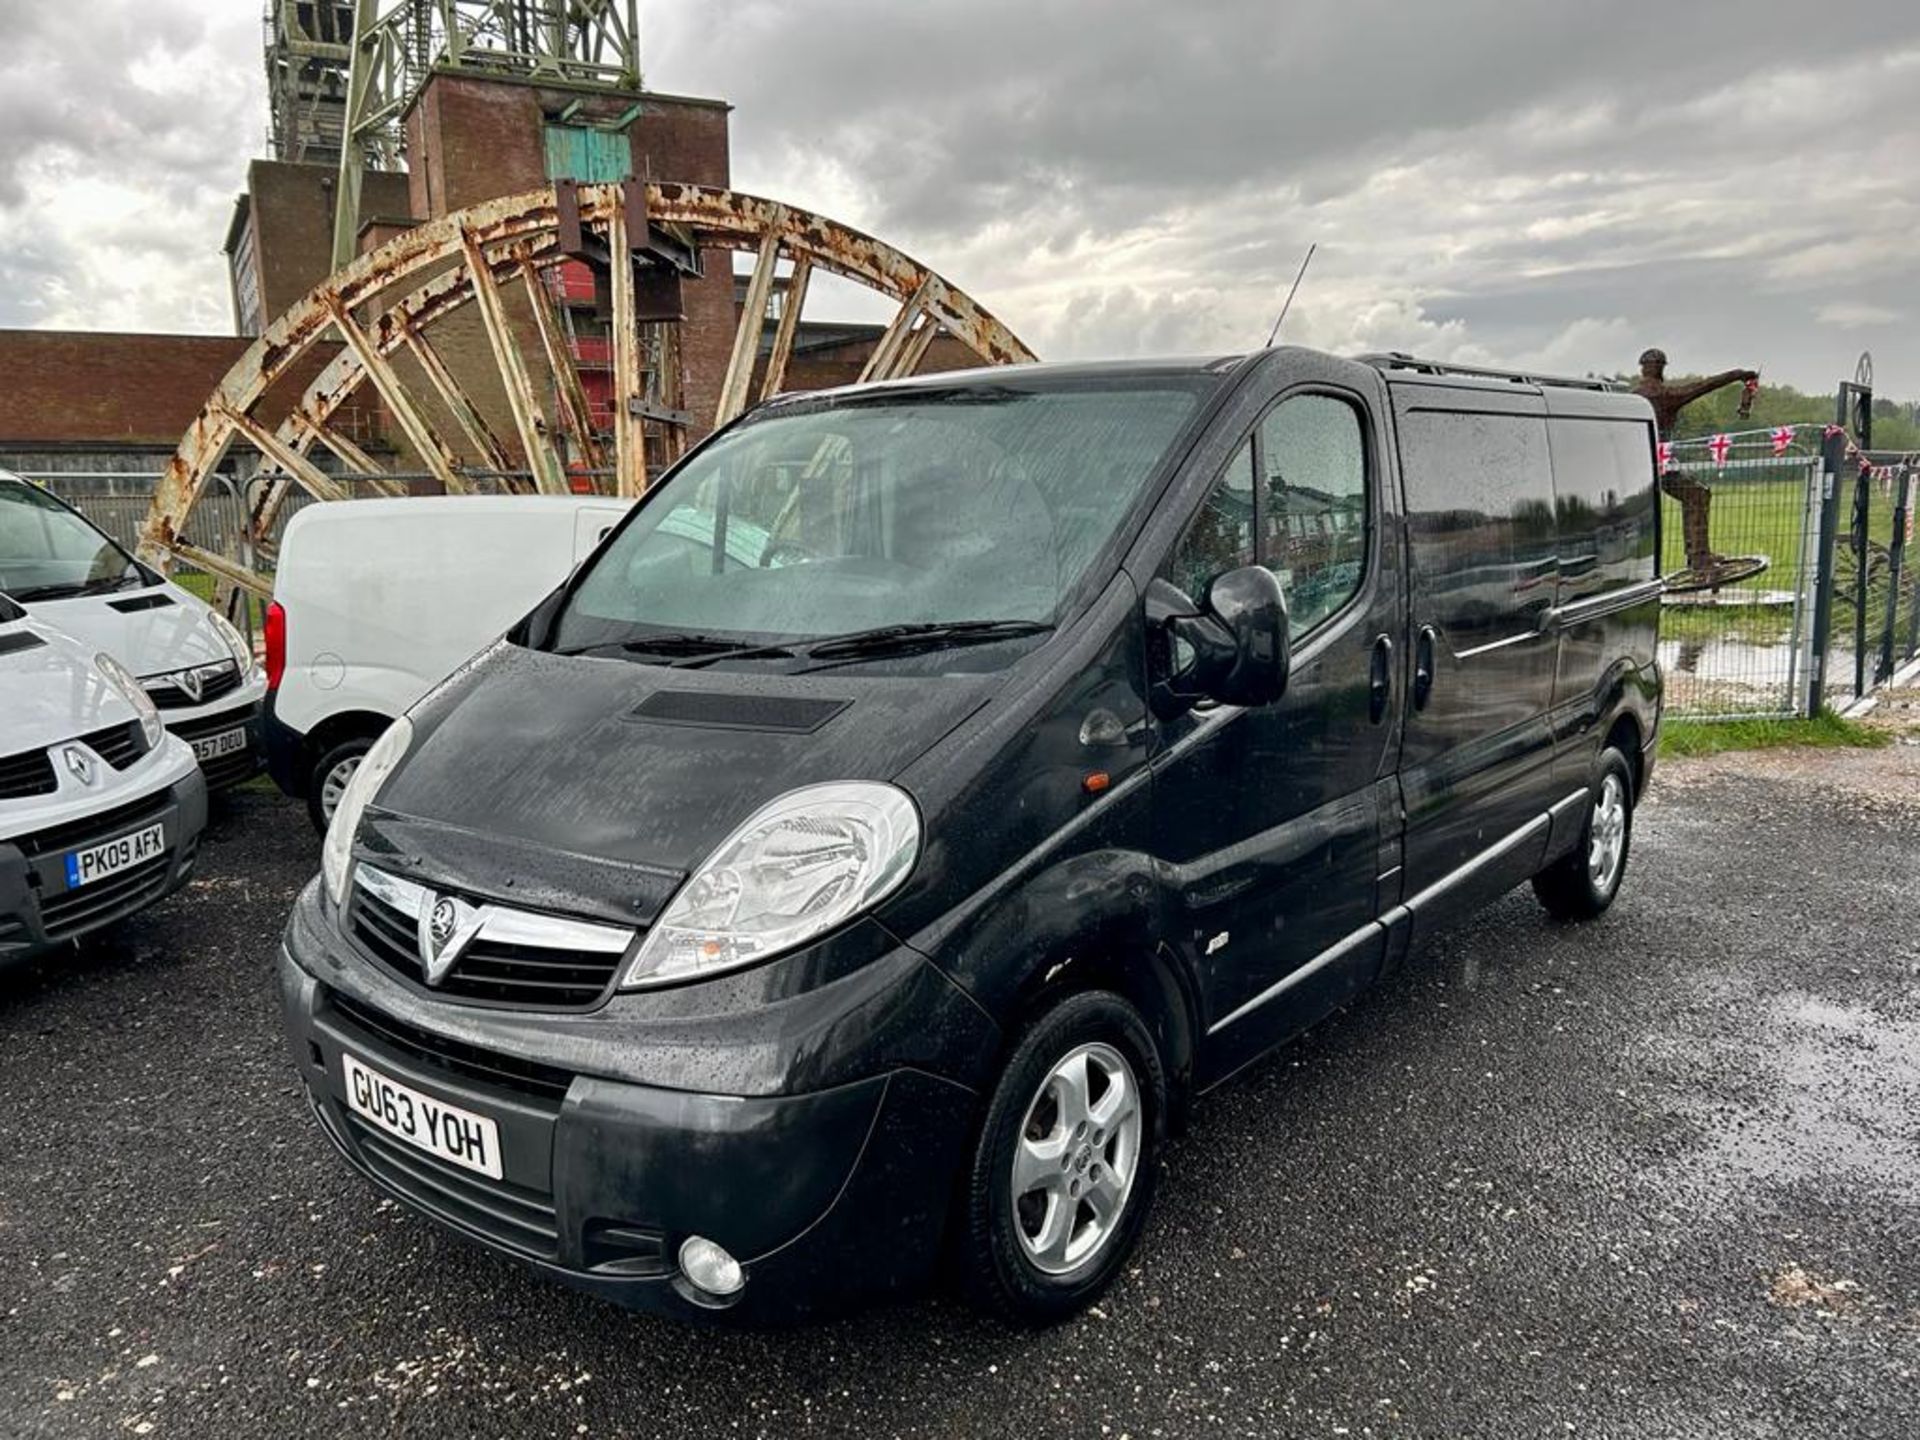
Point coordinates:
[[96, 862], [454, 1135], [227, 742]]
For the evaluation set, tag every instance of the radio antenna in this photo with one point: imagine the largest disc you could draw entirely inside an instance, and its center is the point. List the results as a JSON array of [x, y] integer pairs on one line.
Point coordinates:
[[1274, 334]]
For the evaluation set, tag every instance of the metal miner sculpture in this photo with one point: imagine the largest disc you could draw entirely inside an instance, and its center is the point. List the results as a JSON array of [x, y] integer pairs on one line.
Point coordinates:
[[1705, 569]]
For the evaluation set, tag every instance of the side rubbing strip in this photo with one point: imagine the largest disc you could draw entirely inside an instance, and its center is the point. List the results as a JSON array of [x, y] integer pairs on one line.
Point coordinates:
[[1595, 607], [1293, 977], [1485, 858]]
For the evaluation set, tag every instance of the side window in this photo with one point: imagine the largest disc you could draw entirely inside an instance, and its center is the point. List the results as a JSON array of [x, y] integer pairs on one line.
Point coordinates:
[[1221, 535], [1314, 505]]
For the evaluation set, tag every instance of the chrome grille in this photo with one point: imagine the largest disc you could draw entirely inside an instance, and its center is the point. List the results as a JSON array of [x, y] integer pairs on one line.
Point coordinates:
[[168, 692], [510, 957]]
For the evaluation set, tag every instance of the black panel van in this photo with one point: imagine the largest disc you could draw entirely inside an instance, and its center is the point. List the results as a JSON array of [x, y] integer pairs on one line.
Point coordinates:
[[929, 788]]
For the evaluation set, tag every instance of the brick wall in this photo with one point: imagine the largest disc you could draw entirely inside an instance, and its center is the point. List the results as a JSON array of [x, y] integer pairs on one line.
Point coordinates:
[[291, 212], [66, 387], [108, 393]]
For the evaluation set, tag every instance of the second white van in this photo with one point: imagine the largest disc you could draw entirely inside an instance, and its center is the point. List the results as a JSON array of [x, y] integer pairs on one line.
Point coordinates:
[[194, 665], [377, 601]]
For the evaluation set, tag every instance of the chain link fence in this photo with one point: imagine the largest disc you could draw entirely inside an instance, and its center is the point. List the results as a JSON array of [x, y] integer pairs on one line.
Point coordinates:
[[1741, 648]]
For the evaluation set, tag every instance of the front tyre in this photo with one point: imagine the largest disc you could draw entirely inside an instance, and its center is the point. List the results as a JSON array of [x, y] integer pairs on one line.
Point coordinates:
[[1582, 884], [330, 776], [1063, 1170]]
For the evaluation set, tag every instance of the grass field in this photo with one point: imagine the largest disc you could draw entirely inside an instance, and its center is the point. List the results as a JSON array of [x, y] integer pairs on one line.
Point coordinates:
[[1682, 737]]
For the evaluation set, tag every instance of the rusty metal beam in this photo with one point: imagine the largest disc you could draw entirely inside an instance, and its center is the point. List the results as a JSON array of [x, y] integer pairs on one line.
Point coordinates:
[[796, 297], [308, 476], [350, 455], [746, 336], [629, 429], [433, 454], [566, 378], [223, 568], [486, 445], [549, 475], [915, 350], [887, 352]]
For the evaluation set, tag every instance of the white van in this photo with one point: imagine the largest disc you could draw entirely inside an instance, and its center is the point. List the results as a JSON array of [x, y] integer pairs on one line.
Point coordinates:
[[376, 601], [100, 808], [197, 669]]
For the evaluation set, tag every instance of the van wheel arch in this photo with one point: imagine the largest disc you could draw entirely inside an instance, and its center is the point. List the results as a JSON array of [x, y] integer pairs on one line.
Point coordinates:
[[330, 742], [1150, 981], [1625, 737]]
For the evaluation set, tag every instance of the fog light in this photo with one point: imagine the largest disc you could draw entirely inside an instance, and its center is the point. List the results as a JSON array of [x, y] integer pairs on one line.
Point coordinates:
[[710, 1267]]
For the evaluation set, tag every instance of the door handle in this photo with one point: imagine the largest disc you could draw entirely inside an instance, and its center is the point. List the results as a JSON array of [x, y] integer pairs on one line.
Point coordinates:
[[1380, 679], [1423, 666]]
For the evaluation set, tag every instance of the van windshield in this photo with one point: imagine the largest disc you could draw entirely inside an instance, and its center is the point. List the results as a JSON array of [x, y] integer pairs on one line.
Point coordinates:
[[47, 551], [972, 511]]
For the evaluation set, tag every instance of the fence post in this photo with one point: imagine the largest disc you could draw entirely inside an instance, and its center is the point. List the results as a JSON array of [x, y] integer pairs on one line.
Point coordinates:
[[1896, 560], [1833, 453], [1862, 516], [1913, 620]]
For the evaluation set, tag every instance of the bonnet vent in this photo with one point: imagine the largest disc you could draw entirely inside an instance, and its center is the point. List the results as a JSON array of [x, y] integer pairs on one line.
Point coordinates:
[[157, 601], [717, 710], [19, 640]]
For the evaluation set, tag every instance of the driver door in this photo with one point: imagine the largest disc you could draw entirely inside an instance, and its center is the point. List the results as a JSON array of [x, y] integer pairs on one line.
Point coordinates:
[[1273, 818]]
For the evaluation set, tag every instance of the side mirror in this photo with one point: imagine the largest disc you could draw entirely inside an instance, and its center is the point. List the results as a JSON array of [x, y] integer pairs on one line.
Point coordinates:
[[1238, 641]]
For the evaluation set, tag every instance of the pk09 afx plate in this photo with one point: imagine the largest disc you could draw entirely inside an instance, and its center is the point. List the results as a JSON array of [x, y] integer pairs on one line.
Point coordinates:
[[96, 862], [457, 1136]]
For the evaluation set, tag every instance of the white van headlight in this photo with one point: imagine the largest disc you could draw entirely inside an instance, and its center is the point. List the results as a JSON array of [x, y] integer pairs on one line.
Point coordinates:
[[236, 643], [336, 855], [796, 868], [134, 693]]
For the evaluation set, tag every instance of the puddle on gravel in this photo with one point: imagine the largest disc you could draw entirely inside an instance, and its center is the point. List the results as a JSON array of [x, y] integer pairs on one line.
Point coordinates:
[[1814, 1091]]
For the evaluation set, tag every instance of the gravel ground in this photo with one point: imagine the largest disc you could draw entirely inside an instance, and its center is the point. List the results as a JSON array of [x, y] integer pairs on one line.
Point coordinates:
[[1658, 1176]]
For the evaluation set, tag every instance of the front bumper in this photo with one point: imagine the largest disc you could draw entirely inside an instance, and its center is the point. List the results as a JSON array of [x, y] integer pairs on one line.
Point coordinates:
[[825, 1197], [202, 727], [38, 913]]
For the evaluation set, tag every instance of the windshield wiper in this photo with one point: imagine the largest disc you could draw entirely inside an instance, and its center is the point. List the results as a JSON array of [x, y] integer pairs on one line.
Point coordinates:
[[683, 649], [911, 639], [107, 584], [59, 591]]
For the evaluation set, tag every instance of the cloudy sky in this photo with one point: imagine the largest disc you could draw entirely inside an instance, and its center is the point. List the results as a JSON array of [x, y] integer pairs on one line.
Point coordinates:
[[1549, 183]]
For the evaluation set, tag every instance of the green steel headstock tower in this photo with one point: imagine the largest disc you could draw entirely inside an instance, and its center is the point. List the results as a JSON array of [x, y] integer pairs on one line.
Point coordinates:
[[341, 73]]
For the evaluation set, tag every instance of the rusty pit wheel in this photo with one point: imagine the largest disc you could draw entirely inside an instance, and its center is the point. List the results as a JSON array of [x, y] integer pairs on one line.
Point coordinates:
[[463, 409]]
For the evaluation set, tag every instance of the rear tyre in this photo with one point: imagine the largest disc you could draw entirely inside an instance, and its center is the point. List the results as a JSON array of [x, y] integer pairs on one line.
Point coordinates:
[[328, 782], [1063, 1170], [1582, 884]]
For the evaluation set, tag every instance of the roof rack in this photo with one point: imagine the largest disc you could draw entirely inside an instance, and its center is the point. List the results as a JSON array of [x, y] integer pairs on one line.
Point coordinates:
[[1400, 360]]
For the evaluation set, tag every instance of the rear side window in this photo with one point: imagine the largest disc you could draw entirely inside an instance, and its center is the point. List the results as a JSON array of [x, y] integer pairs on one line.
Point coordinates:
[[1480, 515], [1603, 479]]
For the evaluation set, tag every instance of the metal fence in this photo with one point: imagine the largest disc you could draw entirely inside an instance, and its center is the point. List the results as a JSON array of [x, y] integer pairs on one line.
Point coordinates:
[[1875, 629], [1743, 648]]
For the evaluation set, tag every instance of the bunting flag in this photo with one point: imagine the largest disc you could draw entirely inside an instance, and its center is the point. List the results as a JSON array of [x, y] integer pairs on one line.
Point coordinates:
[[1782, 438], [1833, 430], [1666, 457], [1720, 447]]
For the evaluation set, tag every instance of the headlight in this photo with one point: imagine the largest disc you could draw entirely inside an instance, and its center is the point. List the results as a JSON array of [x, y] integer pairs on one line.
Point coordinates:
[[237, 644], [336, 855], [133, 693], [798, 867]]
